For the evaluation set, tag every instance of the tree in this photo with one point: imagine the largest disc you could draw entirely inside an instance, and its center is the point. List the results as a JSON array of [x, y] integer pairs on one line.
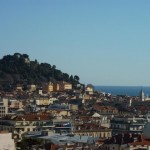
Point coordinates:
[[53, 67], [71, 78], [76, 78], [25, 56], [66, 77], [17, 55], [19, 65], [26, 144]]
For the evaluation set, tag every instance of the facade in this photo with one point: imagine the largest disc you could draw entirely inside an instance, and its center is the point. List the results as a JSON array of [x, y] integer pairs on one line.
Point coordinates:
[[105, 110], [62, 125], [56, 87], [102, 120], [89, 89], [126, 142], [127, 125], [47, 87], [22, 124], [6, 141], [57, 113], [42, 101], [15, 104], [73, 107], [97, 132], [19, 88], [32, 87], [67, 142], [67, 86], [3, 107], [18, 125], [142, 96]]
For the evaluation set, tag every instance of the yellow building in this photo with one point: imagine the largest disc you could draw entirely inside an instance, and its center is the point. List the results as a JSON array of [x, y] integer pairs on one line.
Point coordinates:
[[47, 87], [42, 101], [32, 87], [67, 86], [59, 112], [56, 87], [92, 130]]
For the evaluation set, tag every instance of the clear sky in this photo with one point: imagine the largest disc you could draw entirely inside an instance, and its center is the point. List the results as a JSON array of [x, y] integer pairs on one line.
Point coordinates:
[[104, 42]]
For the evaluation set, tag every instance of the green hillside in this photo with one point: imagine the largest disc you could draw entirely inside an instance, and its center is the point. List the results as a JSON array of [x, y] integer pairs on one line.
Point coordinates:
[[18, 68]]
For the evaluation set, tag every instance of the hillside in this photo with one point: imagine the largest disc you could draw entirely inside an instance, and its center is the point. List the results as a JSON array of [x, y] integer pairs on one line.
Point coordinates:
[[18, 68]]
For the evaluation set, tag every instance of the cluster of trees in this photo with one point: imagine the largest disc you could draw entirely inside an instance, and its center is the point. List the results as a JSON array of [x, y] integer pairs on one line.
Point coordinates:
[[28, 144], [18, 68]]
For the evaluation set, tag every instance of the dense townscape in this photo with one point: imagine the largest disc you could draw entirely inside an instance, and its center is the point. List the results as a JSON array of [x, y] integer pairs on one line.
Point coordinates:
[[60, 113]]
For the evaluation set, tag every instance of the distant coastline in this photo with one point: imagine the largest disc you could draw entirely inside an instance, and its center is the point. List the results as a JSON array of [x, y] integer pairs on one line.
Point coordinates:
[[124, 90]]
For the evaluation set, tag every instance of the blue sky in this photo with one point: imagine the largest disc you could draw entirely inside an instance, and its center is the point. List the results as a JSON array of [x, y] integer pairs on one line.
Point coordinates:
[[105, 42]]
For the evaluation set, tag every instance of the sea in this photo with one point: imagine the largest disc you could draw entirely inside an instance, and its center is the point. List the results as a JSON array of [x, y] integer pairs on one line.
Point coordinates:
[[124, 90]]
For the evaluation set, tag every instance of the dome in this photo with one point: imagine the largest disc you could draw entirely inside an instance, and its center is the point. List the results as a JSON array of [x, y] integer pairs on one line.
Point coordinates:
[[146, 131]]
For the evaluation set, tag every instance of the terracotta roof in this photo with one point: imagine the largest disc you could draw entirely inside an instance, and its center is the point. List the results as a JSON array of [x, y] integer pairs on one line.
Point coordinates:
[[90, 126], [98, 107], [131, 139], [28, 117], [141, 141], [122, 139]]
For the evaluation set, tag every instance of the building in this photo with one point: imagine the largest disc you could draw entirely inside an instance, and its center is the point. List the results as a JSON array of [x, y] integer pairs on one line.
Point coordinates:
[[126, 142], [62, 125], [127, 125], [18, 125], [105, 110], [19, 87], [89, 89], [56, 87], [15, 104], [42, 101], [3, 107], [32, 87], [6, 141], [92, 130], [66, 142], [47, 87], [67, 86], [101, 119], [142, 96]]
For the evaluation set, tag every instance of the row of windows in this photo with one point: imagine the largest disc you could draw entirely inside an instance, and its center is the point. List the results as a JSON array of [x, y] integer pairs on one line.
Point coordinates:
[[101, 135], [2, 108]]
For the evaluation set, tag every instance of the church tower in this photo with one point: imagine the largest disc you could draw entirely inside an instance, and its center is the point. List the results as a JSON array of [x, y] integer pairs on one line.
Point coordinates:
[[142, 97]]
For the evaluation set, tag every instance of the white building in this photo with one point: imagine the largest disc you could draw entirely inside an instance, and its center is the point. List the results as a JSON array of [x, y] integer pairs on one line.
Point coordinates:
[[6, 141], [132, 125], [142, 96], [89, 88]]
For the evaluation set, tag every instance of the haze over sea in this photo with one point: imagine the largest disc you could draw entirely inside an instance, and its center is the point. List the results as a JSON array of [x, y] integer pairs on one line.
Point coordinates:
[[124, 90]]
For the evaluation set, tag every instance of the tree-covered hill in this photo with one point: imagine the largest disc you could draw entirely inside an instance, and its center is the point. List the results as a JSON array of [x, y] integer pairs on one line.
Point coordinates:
[[18, 68]]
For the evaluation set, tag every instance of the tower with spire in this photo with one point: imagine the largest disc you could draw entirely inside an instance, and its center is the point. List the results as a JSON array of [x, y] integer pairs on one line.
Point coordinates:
[[142, 97]]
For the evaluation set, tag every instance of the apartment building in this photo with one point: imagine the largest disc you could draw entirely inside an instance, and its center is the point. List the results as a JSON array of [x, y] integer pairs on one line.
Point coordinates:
[[6, 141], [3, 107], [128, 124], [20, 124]]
